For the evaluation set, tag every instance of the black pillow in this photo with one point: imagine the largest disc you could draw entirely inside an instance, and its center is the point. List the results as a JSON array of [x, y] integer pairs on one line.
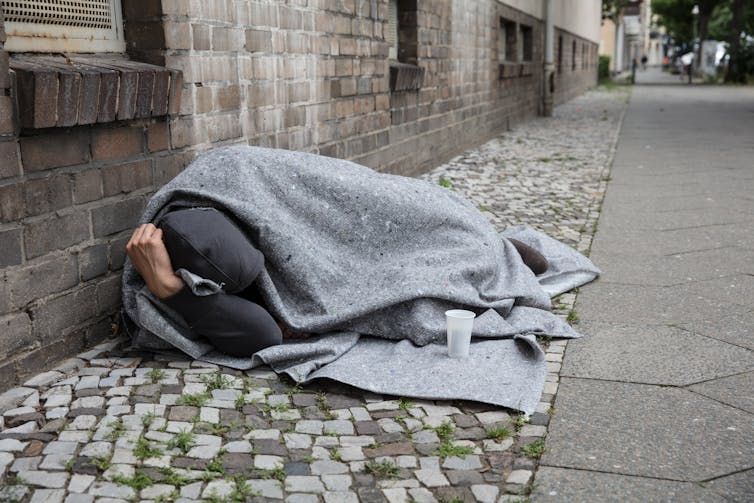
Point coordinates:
[[207, 243]]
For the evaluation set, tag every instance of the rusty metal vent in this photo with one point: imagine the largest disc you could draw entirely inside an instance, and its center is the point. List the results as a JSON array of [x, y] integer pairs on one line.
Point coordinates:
[[63, 25]]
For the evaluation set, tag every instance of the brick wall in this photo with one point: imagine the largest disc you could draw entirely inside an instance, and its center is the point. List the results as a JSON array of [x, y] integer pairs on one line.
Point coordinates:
[[577, 70], [310, 76]]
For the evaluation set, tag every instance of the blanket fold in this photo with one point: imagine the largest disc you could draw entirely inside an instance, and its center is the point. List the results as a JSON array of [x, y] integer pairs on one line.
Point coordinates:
[[371, 262]]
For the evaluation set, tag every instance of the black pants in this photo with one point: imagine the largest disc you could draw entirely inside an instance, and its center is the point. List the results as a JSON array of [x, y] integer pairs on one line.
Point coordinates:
[[207, 243]]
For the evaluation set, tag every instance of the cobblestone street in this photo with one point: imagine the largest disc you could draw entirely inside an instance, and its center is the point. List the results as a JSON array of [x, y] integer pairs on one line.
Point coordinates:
[[116, 425]]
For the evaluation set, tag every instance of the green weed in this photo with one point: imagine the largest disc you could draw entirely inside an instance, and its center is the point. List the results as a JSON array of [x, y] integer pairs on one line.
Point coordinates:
[[384, 470]]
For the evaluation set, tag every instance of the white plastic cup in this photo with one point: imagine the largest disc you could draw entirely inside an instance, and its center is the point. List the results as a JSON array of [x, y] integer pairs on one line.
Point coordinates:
[[459, 324]]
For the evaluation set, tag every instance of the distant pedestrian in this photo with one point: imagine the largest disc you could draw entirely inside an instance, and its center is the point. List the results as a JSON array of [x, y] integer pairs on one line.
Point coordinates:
[[644, 60]]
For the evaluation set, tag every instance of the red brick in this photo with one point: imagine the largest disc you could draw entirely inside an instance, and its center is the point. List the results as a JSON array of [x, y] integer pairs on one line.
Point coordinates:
[[9, 159], [157, 137], [54, 150], [126, 177], [117, 143]]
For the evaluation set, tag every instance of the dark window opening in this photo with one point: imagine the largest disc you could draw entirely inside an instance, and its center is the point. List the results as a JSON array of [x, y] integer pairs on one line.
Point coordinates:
[[526, 43]]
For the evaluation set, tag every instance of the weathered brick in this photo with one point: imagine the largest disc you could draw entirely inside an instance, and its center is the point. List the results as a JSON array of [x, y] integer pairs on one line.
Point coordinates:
[[175, 92], [9, 165], [157, 136], [258, 41], [109, 294], [4, 72], [37, 88], [167, 167], [6, 116], [10, 247], [100, 330], [117, 216], [93, 262], [126, 177], [228, 98], [11, 202], [177, 35], [182, 132], [46, 194], [57, 316], [44, 357], [117, 249], [117, 143], [54, 150], [298, 91], [56, 233], [8, 376], [41, 278], [141, 9], [201, 34], [87, 186], [15, 334]]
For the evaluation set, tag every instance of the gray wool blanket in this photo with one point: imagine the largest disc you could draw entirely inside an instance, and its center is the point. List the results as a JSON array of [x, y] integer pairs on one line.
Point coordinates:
[[370, 262]]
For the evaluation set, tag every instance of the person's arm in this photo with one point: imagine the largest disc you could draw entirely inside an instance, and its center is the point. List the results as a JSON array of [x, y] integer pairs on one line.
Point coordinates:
[[151, 260]]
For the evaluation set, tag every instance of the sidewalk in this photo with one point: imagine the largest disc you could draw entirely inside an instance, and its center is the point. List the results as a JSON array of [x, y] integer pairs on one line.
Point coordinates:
[[657, 404], [113, 425]]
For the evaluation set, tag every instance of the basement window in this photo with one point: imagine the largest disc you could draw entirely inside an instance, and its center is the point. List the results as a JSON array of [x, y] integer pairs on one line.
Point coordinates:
[[507, 38], [526, 52], [63, 25]]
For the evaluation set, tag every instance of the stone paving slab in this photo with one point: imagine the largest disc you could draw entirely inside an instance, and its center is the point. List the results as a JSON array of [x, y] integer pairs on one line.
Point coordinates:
[[115, 424], [728, 390], [651, 355], [649, 431], [557, 485]]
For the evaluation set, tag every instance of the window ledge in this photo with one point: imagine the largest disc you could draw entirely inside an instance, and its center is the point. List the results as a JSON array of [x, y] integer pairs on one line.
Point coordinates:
[[405, 77], [56, 91], [515, 70]]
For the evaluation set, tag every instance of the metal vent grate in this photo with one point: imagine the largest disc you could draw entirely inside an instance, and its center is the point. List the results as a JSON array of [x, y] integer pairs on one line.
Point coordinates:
[[63, 25], [84, 14]]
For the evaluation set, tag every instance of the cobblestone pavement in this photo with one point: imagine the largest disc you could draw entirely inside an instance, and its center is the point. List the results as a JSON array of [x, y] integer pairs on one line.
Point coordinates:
[[115, 425]]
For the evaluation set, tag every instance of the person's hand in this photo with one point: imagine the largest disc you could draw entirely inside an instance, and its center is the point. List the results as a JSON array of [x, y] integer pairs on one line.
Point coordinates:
[[150, 258]]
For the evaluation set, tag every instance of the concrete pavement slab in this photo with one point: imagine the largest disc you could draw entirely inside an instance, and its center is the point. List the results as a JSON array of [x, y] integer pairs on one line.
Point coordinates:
[[736, 390], [674, 269], [558, 485], [736, 327], [647, 305], [650, 431], [737, 488], [616, 238], [652, 355]]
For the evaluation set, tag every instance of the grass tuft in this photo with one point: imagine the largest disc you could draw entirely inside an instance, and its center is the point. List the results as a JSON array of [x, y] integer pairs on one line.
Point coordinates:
[[384, 470]]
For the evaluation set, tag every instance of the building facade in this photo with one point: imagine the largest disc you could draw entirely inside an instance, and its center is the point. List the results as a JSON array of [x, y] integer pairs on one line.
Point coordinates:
[[86, 137]]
